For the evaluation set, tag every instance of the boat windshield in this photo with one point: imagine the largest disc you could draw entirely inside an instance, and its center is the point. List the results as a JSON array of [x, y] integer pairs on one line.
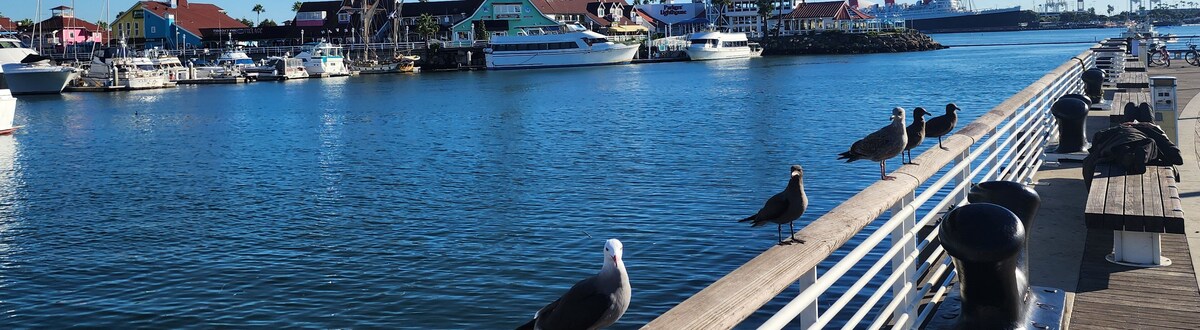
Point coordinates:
[[710, 42], [9, 44]]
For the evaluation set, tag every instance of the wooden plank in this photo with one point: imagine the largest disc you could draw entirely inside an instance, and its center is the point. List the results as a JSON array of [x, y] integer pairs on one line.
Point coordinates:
[[1133, 213], [1114, 203], [1172, 207], [1093, 213], [1153, 203]]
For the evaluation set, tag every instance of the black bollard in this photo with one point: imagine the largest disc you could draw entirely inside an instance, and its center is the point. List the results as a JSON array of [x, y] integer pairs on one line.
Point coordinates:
[[1085, 99], [1071, 114], [984, 240], [1017, 198], [1093, 84]]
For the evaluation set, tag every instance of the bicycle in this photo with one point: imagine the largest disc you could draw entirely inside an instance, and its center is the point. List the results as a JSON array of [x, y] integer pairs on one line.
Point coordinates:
[[1192, 56], [1158, 55]]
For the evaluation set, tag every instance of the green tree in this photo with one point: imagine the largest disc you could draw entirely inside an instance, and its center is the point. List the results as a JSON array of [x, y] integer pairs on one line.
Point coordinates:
[[246, 21], [102, 25], [1111, 9], [258, 10], [427, 27], [765, 7], [296, 6], [481, 32], [25, 22], [267, 22], [722, 6]]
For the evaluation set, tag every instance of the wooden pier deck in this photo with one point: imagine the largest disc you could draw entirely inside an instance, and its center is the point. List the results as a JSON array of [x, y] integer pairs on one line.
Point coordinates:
[[1112, 296]]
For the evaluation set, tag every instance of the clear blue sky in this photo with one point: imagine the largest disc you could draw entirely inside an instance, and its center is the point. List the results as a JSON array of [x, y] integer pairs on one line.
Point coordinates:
[[281, 10], [93, 10]]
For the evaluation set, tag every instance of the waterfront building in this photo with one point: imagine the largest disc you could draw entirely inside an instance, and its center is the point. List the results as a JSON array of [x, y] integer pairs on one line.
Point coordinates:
[[672, 19], [6, 24], [501, 18], [825, 16], [174, 24], [63, 31], [742, 15], [610, 17]]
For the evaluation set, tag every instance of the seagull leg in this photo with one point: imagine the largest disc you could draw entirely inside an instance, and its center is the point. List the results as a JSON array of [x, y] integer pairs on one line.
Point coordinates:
[[779, 233], [793, 230], [882, 174], [940, 144]]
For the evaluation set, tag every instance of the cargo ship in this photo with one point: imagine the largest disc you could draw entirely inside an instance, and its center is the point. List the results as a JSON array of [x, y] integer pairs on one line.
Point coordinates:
[[940, 16]]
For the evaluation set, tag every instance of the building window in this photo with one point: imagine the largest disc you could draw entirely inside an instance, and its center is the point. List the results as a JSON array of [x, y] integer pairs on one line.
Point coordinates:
[[507, 10], [153, 29]]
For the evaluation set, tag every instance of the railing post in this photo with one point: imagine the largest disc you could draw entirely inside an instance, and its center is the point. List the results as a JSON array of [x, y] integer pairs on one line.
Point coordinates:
[[899, 288], [962, 178], [809, 316]]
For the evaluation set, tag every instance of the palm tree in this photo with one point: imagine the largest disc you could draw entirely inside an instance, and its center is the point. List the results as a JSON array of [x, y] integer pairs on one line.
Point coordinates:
[[296, 6], [765, 7], [258, 10], [1110, 10], [427, 27], [721, 6]]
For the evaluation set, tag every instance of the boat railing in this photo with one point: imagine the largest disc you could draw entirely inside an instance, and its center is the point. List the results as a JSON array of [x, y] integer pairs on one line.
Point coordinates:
[[899, 267]]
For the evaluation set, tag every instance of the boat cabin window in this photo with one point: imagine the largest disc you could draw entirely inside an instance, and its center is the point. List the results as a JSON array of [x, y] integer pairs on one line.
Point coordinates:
[[710, 42], [734, 44], [593, 41], [537, 46], [9, 44]]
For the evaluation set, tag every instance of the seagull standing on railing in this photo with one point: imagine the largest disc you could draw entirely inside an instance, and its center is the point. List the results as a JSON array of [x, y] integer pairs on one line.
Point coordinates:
[[593, 303], [881, 145], [941, 125], [916, 134], [785, 207]]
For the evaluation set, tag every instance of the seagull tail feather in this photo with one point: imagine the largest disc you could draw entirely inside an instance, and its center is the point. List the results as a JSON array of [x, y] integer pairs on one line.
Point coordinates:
[[849, 156], [749, 218]]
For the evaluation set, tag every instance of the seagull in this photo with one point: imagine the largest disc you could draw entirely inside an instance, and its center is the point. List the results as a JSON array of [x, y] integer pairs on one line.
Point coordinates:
[[784, 207], [916, 133], [593, 303], [885, 143], [941, 125]]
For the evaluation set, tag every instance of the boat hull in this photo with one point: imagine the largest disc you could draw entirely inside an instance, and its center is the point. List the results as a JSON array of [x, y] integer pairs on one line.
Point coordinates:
[[708, 54], [8, 110], [618, 54], [983, 21], [23, 81], [326, 67]]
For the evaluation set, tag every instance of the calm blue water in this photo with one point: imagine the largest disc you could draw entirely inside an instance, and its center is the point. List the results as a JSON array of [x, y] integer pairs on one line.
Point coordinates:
[[443, 200]]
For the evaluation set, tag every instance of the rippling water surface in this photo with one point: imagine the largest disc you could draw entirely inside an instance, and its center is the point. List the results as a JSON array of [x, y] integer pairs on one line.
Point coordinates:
[[443, 200]]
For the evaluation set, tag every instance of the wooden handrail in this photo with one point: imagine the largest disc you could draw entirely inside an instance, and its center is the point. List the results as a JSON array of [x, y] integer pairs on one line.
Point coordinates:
[[737, 295]]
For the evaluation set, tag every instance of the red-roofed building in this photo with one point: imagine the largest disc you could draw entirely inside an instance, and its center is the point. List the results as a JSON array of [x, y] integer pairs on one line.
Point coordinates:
[[6, 24], [62, 29], [170, 24], [599, 15], [823, 16]]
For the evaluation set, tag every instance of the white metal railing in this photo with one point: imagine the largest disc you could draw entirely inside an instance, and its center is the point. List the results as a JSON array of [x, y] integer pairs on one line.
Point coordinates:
[[1004, 144], [1025, 134]]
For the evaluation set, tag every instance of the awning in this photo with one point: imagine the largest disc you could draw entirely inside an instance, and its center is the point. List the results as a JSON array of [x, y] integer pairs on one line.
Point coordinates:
[[628, 28]]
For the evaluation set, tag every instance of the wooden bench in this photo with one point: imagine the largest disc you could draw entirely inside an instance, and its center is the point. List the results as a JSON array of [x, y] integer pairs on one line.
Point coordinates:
[[1138, 209], [1135, 66], [1133, 80], [1117, 113]]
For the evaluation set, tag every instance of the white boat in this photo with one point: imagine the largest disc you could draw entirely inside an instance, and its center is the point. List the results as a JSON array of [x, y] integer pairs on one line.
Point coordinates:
[[169, 64], [323, 59], [8, 110], [35, 75], [283, 68], [235, 58], [12, 51], [571, 45], [713, 45], [114, 67]]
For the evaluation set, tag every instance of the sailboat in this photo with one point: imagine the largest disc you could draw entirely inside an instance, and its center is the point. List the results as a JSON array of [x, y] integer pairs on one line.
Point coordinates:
[[371, 65]]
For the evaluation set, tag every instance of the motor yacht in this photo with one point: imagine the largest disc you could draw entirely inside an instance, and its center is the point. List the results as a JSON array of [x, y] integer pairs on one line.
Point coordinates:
[[323, 59], [714, 45], [562, 46]]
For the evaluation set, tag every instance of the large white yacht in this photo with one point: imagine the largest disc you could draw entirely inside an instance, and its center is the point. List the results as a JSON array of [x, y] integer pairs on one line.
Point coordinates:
[[26, 72], [323, 59], [168, 64], [572, 45], [713, 45], [235, 58]]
